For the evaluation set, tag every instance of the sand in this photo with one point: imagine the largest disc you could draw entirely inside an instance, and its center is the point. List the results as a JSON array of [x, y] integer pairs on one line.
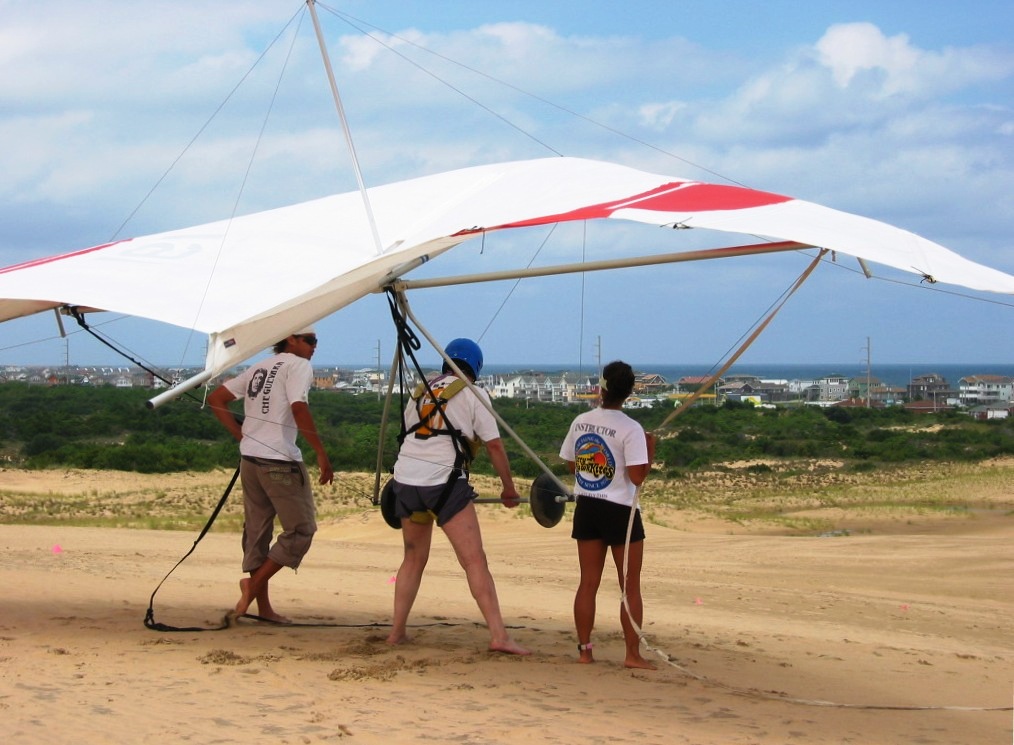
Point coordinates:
[[882, 636]]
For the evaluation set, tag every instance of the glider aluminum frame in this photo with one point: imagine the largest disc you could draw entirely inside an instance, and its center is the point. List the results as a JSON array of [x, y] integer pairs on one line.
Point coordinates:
[[593, 266], [392, 280]]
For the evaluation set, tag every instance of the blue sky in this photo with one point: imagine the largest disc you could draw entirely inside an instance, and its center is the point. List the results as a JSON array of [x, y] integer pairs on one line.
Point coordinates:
[[899, 111]]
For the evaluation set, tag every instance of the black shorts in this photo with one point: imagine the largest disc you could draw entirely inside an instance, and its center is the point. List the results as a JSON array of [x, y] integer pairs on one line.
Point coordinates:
[[420, 500], [602, 520]]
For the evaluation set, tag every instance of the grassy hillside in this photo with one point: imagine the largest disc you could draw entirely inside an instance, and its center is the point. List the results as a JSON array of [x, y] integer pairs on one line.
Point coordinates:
[[110, 428]]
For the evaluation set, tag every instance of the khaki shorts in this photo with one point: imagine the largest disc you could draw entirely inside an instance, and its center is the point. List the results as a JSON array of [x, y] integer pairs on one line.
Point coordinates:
[[273, 488]]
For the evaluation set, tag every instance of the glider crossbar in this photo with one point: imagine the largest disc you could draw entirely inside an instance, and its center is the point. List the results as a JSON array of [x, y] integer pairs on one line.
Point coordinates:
[[592, 266]]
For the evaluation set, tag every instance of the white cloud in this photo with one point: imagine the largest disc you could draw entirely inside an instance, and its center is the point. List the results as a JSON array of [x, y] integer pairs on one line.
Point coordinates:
[[860, 53], [659, 116], [853, 48]]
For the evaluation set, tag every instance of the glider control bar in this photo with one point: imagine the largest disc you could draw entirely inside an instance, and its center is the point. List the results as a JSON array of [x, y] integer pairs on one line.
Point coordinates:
[[592, 266], [179, 389], [547, 502]]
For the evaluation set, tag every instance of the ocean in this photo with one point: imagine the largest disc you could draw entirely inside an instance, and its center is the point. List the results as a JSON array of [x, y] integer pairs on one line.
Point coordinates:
[[890, 374]]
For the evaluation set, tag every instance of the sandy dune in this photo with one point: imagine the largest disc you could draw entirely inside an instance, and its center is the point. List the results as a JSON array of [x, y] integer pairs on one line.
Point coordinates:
[[770, 639]]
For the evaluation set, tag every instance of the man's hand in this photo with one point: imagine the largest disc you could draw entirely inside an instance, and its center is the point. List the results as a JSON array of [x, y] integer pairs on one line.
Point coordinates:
[[510, 498], [326, 472]]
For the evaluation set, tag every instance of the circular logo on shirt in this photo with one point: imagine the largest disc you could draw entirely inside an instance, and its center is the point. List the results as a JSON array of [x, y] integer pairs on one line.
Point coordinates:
[[594, 466]]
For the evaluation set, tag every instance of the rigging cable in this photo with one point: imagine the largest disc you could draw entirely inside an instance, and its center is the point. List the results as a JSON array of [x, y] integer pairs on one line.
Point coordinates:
[[165, 174], [79, 316], [349, 20], [352, 21], [517, 282], [149, 616], [200, 131], [246, 175]]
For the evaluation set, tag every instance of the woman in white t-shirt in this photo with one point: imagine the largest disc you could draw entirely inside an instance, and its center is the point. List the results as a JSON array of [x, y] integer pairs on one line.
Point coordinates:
[[431, 486], [610, 456]]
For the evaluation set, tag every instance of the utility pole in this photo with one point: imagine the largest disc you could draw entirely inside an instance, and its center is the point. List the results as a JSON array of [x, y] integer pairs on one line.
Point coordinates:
[[867, 372]]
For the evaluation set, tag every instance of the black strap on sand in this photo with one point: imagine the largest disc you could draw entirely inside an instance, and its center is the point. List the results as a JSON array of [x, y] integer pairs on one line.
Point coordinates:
[[149, 616], [229, 618]]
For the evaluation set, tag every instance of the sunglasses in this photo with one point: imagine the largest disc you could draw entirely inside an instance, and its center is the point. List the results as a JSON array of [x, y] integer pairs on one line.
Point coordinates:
[[308, 338]]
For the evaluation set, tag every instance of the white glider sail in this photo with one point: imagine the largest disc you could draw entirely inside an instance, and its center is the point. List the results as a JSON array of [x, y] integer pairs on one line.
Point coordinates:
[[252, 280]]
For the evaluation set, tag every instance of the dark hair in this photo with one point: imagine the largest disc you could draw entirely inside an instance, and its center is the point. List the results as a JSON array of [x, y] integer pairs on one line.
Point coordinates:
[[464, 366], [618, 380]]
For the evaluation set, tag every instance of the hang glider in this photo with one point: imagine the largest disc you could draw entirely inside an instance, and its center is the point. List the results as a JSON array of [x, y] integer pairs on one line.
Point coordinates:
[[249, 281]]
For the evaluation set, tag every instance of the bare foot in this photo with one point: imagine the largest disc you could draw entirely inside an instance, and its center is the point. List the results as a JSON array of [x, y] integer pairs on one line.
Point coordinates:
[[244, 597], [273, 617], [639, 663], [508, 647], [395, 639], [585, 657]]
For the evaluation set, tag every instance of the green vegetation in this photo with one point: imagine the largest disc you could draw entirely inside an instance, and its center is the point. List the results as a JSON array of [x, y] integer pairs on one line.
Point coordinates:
[[110, 428], [707, 435]]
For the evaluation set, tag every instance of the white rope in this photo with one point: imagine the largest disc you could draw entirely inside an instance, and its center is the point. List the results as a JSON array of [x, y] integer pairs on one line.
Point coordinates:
[[752, 692]]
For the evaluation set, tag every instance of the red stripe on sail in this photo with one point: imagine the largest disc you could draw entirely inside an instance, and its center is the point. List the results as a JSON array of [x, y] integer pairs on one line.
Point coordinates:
[[686, 196], [51, 259]]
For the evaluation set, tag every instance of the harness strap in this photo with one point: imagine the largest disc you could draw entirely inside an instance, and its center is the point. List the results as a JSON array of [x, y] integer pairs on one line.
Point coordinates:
[[407, 343], [462, 450], [445, 493]]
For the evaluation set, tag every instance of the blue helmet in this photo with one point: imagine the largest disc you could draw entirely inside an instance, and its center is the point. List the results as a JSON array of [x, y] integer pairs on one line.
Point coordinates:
[[465, 351]]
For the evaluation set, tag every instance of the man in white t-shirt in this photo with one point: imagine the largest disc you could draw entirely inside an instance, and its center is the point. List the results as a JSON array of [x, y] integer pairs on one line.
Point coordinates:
[[275, 480], [445, 422]]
